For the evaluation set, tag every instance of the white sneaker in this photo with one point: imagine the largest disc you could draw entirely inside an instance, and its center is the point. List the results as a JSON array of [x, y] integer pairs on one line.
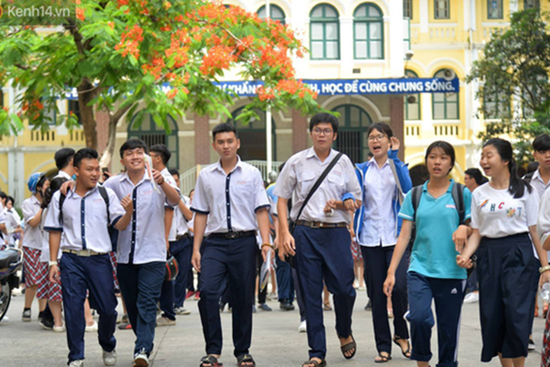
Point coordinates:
[[77, 363], [141, 360], [5, 318], [182, 311], [91, 327], [303, 327], [109, 358], [60, 329], [471, 297], [165, 321]]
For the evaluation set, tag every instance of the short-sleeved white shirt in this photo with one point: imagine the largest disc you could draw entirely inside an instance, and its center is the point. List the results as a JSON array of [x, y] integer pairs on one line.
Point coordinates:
[[230, 200], [300, 173], [179, 223], [144, 240], [13, 220], [32, 235], [496, 213], [84, 223]]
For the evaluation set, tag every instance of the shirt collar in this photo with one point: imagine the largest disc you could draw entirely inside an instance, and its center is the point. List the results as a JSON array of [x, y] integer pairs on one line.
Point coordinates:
[[312, 154], [425, 186], [218, 165], [372, 162], [536, 175], [72, 191], [125, 177]]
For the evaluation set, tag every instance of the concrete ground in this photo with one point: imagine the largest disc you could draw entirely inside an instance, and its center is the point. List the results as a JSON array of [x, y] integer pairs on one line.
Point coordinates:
[[276, 341]]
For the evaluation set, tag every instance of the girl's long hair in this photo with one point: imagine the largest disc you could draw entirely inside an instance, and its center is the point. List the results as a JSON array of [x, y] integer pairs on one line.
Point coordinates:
[[54, 186]]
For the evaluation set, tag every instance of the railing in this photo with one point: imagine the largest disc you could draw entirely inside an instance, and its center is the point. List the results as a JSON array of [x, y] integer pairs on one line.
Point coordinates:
[[449, 130], [443, 34], [188, 179]]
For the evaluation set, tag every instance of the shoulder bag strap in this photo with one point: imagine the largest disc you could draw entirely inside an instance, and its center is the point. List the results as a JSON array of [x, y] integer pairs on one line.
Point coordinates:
[[397, 182], [318, 183]]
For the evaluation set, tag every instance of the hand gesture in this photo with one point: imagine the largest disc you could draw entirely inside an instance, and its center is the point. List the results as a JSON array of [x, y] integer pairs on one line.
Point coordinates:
[[395, 144], [388, 285], [127, 204], [54, 274], [157, 176], [349, 204], [330, 206], [66, 186], [544, 278], [196, 260], [464, 262], [286, 245]]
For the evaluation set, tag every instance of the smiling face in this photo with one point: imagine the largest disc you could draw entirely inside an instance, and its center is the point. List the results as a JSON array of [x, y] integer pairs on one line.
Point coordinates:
[[133, 160], [87, 173], [226, 145], [492, 163], [379, 143], [439, 163]]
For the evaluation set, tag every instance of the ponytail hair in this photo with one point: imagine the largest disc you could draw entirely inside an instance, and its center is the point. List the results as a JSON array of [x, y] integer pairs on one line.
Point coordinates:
[[506, 153], [54, 187]]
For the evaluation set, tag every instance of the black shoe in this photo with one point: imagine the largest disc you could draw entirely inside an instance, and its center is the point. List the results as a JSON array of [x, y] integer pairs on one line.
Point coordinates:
[[46, 323], [286, 305], [368, 307], [531, 345], [222, 306]]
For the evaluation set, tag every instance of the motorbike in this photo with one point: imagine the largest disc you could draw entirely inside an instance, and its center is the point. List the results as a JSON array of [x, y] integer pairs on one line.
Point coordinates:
[[10, 262]]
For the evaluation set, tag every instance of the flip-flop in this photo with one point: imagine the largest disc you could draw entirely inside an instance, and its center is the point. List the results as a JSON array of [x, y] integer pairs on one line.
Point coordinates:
[[404, 352], [315, 363], [383, 358], [210, 361], [245, 360], [349, 346]]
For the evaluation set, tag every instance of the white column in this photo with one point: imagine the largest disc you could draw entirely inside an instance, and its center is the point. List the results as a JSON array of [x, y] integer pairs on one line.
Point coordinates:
[[396, 53], [346, 45], [424, 16]]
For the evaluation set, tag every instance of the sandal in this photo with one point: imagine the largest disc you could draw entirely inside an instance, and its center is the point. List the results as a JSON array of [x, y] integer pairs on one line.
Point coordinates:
[[383, 357], [326, 306], [245, 360], [347, 347], [210, 361], [315, 363], [406, 353]]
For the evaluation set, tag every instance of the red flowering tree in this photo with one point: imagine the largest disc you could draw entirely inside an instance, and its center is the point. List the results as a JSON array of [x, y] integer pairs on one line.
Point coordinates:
[[119, 53]]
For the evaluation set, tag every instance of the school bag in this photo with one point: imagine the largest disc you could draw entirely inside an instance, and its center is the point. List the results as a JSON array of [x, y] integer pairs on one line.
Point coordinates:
[[113, 232]]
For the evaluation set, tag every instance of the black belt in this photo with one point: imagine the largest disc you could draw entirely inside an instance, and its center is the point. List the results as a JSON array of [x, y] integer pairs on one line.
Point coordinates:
[[232, 235], [85, 253], [182, 236], [320, 224]]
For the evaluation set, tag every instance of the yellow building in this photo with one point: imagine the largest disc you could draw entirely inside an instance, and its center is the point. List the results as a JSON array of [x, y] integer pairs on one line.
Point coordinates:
[[363, 41]]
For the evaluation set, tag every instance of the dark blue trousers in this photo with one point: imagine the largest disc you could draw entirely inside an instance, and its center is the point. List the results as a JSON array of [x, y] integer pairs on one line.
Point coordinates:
[[299, 295], [448, 295], [140, 285], [325, 253], [166, 300], [232, 263], [508, 275], [182, 251], [79, 274], [377, 261], [285, 283]]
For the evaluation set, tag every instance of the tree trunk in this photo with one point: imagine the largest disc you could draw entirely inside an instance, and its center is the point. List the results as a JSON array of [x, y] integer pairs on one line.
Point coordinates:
[[86, 93], [114, 118]]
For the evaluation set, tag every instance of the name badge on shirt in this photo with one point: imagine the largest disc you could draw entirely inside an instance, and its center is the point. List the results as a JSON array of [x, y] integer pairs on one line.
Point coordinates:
[[450, 206]]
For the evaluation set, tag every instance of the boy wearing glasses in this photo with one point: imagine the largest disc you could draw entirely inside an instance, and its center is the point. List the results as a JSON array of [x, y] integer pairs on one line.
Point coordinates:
[[321, 240]]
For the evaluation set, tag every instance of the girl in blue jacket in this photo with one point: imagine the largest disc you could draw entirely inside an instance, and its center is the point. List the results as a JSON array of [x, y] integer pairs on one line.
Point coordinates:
[[384, 180]]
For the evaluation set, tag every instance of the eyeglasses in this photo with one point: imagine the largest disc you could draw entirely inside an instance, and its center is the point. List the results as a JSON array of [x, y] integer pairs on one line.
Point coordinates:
[[376, 137], [322, 131]]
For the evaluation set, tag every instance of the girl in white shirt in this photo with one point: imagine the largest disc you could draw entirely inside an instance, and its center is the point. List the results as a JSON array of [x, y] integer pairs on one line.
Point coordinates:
[[504, 218]]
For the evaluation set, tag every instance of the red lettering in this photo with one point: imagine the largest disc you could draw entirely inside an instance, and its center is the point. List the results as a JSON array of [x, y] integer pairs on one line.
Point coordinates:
[[501, 205]]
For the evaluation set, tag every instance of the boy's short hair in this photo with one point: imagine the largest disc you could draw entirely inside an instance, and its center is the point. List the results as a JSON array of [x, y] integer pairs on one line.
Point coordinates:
[[132, 144], [323, 117], [224, 128], [63, 157], [84, 153], [163, 151], [541, 143], [174, 172]]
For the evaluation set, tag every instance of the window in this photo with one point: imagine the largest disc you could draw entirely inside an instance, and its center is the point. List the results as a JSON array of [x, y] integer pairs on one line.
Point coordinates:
[[324, 33], [276, 13], [352, 137], [368, 32], [496, 105], [533, 95], [444, 105], [147, 130], [411, 101], [252, 136], [442, 10], [407, 9], [494, 9], [531, 4]]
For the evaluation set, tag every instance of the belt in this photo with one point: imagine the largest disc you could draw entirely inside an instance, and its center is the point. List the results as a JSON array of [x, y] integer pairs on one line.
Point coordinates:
[[321, 224], [232, 235], [181, 236], [85, 253]]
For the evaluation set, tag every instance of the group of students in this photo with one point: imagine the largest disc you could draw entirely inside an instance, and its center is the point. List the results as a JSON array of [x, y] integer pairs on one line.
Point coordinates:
[[317, 190]]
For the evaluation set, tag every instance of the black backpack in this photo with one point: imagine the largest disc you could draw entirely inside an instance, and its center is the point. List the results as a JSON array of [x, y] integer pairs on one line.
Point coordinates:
[[113, 232]]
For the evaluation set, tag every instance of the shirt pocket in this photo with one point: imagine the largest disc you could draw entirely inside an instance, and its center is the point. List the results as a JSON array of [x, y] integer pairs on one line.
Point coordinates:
[[337, 181], [307, 180]]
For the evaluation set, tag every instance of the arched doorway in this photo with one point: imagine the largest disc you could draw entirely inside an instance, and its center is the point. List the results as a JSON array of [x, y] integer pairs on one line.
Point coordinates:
[[147, 130], [352, 137], [252, 136], [419, 174]]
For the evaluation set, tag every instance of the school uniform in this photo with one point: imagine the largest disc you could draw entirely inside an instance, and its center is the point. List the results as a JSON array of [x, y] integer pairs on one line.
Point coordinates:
[[507, 269], [3, 220], [181, 247], [13, 221], [377, 227], [141, 255], [229, 249], [48, 290], [85, 264], [322, 242], [434, 275], [35, 271]]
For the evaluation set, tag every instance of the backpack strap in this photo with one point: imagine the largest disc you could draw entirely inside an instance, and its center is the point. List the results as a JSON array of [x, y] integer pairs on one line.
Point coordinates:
[[458, 196], [61, 201], [416, 195], [105, 196], [528, 177]]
